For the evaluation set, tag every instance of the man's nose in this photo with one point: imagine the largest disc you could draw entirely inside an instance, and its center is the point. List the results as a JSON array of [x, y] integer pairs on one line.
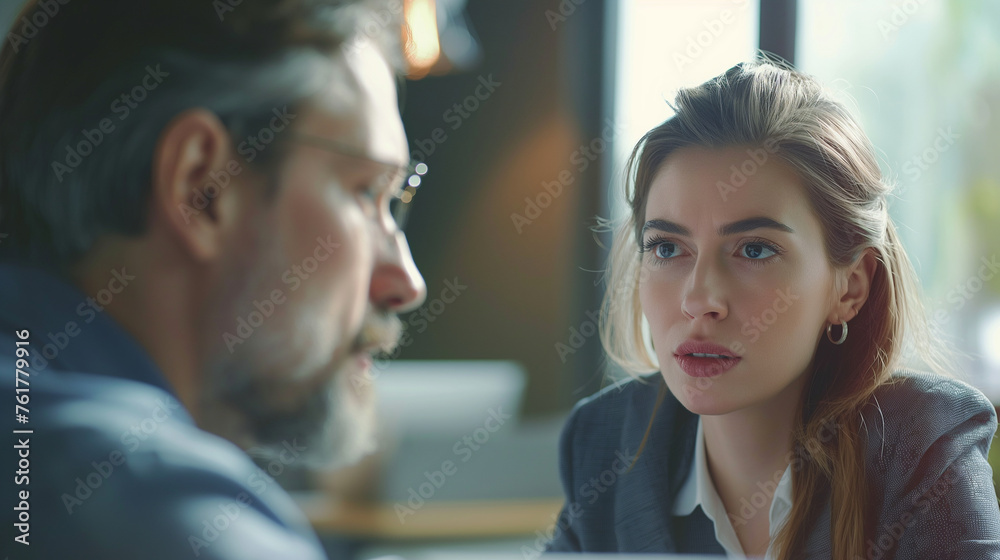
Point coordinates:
[[397, 285]]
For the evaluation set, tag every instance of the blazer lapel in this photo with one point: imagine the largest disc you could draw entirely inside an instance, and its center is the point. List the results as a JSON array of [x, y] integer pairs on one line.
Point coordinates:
[[645, 495]]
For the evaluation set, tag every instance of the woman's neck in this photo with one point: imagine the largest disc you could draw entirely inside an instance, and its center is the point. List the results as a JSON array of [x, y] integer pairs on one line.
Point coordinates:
[[748, 451]]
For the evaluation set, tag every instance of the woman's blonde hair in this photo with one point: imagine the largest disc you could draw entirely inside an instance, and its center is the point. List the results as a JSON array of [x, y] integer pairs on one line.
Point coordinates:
[[764, 103]]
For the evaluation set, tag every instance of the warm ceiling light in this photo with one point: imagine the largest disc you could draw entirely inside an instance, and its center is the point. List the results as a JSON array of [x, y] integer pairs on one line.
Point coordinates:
[[422, 44]]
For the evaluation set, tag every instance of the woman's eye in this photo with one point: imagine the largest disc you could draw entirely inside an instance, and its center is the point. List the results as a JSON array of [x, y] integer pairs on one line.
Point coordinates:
[[668, 250], [757, 251], [665, 250], [661, 249]]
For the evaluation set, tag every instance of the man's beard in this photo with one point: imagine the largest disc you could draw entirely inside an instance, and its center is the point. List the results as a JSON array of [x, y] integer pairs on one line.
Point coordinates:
[[264, 395]]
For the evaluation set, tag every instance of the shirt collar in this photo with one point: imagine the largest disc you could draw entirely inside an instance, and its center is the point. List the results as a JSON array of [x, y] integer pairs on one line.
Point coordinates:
[[698, 490], [69, 330]]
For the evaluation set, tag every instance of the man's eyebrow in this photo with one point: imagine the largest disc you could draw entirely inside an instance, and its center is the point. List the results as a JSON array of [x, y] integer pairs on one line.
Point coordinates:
[[733, 228]]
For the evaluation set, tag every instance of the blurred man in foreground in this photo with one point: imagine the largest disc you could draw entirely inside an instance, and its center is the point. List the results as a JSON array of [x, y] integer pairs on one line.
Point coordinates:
[[200, 258]]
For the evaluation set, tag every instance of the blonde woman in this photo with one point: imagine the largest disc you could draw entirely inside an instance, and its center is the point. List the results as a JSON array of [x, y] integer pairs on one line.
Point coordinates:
[[760, 295]]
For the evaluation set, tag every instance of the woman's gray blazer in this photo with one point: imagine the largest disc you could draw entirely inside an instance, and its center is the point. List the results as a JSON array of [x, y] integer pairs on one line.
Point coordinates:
[[927, 443]]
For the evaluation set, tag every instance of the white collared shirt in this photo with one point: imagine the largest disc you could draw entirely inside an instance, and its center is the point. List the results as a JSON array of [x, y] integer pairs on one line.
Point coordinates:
[[698, 489]]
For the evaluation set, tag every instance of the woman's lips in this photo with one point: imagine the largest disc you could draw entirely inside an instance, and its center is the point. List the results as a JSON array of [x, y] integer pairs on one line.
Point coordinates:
[[705, 367]]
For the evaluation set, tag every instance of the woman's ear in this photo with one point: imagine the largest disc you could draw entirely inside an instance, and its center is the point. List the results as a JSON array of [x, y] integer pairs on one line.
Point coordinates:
[[854, 285]]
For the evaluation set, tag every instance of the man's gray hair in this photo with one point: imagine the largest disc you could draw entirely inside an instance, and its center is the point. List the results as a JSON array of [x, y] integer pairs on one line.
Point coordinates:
[[78, 131]]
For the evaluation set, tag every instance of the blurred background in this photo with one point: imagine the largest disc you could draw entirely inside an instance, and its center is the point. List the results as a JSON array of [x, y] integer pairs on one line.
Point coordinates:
[[524, 111]]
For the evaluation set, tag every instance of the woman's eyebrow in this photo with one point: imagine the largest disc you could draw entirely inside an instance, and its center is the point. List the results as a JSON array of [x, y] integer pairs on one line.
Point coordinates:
[[740, 226]]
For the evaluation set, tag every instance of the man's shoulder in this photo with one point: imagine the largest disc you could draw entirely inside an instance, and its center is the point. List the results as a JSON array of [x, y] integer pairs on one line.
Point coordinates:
[[106, 452], [82, 411], [131, 434]]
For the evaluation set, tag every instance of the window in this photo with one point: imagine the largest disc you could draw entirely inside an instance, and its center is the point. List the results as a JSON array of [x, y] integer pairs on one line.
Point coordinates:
[[924, 78], [664, 46]]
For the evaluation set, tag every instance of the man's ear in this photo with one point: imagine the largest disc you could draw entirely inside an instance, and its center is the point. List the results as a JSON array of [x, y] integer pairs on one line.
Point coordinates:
[[854, 287], [192, 170]]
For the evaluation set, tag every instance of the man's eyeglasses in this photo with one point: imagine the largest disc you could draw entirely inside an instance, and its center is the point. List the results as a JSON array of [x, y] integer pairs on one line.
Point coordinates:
[[402, 182]]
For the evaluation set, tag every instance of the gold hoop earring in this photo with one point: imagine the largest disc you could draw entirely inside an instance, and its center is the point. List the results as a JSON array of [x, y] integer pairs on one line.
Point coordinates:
[[843, 333]]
